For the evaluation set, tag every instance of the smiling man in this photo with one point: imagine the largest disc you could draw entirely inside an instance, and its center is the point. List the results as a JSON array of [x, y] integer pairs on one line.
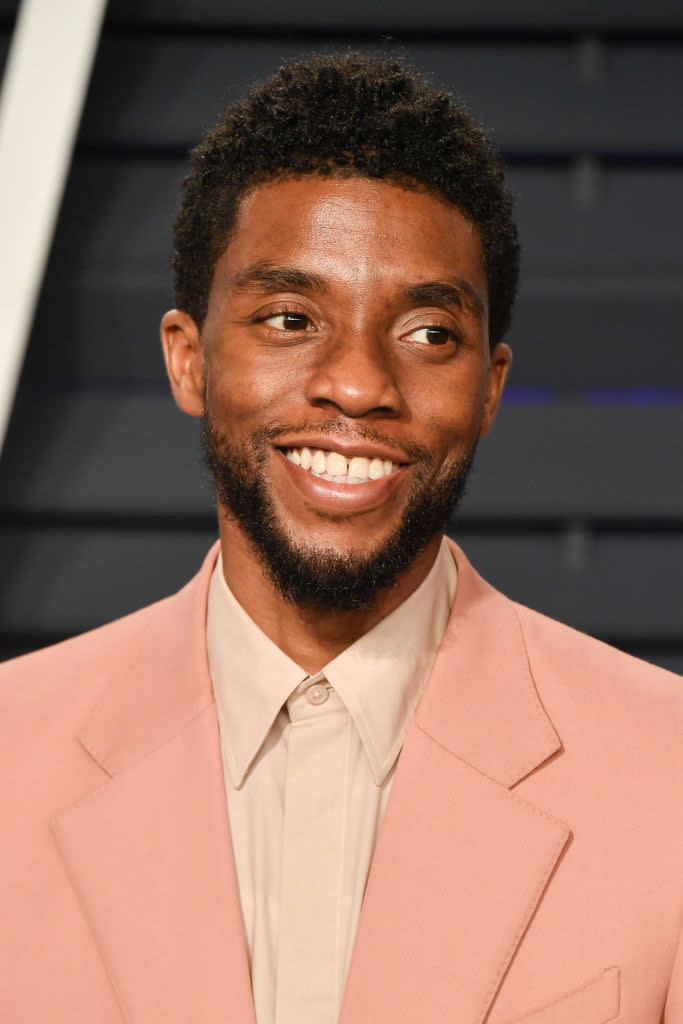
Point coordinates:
[[338, 777]]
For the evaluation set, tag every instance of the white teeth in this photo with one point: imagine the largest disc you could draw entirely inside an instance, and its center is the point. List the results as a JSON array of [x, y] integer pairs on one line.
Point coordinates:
[[358, 467], [335, 466]]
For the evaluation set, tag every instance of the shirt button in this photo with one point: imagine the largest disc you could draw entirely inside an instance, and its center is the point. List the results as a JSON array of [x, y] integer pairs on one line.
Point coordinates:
[[317, 694]]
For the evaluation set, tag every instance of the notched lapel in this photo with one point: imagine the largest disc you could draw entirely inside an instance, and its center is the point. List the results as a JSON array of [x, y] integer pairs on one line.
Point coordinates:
[[462, 861], [459, 869], [149, 853], [150, 857]]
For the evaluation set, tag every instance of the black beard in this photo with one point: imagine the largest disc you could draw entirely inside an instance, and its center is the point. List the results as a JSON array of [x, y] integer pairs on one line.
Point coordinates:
[[322, 577]]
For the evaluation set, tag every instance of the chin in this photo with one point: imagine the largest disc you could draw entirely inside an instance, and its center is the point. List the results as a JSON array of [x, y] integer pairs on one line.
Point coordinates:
[[330, 560]]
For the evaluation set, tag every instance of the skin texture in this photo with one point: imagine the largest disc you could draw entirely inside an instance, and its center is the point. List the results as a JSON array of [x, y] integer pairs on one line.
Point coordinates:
[[361, 363]]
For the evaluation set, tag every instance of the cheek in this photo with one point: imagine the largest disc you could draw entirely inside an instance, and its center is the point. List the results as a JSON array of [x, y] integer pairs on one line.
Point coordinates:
[[241, 389], [450, 415]]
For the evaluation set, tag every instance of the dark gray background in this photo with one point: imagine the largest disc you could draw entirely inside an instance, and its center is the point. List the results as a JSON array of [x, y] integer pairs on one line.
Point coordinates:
[[576, 506]]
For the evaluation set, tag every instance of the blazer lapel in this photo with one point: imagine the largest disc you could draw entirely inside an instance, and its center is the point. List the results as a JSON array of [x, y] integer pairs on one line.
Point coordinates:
[[462, 861], [149, 852]]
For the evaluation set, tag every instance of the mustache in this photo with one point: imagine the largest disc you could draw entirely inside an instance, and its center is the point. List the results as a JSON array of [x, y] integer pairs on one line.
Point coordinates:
[[341, 428]]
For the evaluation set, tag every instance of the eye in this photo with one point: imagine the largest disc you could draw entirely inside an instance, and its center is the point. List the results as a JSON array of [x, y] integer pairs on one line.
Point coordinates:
[[434, 334], [287, 320]]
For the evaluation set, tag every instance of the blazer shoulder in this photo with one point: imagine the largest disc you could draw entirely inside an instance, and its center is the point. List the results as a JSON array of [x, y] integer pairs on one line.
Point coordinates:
[[64, 681], [585, 651], [578, 673]]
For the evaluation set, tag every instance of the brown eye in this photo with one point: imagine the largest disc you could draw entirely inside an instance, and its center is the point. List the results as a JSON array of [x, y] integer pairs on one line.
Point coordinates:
[[434, 335], [294, 321], [437, 335], [287, 320]]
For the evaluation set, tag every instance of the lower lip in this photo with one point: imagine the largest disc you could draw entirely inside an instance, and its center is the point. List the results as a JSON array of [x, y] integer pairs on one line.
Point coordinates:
[[338, 497]]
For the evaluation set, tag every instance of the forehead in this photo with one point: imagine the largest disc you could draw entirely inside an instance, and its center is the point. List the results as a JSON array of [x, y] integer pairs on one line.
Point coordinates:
[[349, 230]]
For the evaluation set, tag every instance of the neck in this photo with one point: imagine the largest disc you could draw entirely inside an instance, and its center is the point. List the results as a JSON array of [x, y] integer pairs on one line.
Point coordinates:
[[310, 636]]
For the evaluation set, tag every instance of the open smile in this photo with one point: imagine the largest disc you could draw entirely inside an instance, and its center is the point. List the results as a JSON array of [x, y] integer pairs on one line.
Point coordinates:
[[340, 468], [341, 483]]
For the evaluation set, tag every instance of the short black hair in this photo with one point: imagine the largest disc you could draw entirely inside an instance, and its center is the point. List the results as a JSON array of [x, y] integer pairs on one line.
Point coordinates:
[[344, 114]]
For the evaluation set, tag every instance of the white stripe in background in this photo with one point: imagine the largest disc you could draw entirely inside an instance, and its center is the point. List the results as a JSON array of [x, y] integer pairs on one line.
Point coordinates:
[[45, 81]]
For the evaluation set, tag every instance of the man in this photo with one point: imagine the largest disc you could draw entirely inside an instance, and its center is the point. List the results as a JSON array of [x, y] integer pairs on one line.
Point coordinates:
[[338, 776]]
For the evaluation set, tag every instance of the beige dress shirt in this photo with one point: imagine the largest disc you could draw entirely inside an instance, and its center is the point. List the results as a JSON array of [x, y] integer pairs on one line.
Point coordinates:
[[308, 764]]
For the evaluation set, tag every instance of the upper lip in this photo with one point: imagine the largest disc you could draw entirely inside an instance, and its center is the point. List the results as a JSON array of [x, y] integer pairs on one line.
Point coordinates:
[[349, 447]]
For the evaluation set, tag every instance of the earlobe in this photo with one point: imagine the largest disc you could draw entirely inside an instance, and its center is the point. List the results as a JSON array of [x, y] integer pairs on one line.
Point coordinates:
[[181, 345], [501, 358]]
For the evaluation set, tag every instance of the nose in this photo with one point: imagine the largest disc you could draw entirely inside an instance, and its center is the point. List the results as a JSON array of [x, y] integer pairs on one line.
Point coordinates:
[[355, 376]]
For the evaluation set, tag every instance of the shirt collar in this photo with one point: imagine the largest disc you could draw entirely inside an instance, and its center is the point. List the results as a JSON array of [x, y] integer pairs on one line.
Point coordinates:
[[252, 678], [380, 677]]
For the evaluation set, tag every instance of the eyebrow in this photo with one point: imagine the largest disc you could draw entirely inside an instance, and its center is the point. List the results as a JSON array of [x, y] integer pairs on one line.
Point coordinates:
[[264, 276], [454, 292]]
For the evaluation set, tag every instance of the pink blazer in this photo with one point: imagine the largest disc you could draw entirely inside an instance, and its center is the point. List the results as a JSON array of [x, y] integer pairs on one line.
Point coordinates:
[[529, 867]]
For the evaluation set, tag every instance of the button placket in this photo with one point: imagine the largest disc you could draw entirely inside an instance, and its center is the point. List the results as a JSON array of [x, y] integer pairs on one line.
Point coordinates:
[[307, 987]]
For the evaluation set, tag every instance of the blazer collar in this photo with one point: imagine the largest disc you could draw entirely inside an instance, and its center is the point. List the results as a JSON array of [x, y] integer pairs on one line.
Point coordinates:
[[481, 703], [158, 679]]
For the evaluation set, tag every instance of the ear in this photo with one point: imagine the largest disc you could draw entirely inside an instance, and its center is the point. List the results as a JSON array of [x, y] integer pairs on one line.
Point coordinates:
[[182, 350], [501, 358]]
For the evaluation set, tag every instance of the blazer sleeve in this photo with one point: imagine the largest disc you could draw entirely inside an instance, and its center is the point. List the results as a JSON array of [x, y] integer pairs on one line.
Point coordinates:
[[673, 1010]]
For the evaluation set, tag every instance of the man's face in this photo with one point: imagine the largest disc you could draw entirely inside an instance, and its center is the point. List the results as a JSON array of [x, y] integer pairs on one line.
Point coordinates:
[[347, 379]]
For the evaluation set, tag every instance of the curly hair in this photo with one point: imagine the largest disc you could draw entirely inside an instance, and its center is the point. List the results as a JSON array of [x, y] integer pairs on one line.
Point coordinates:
[[344, 115]]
